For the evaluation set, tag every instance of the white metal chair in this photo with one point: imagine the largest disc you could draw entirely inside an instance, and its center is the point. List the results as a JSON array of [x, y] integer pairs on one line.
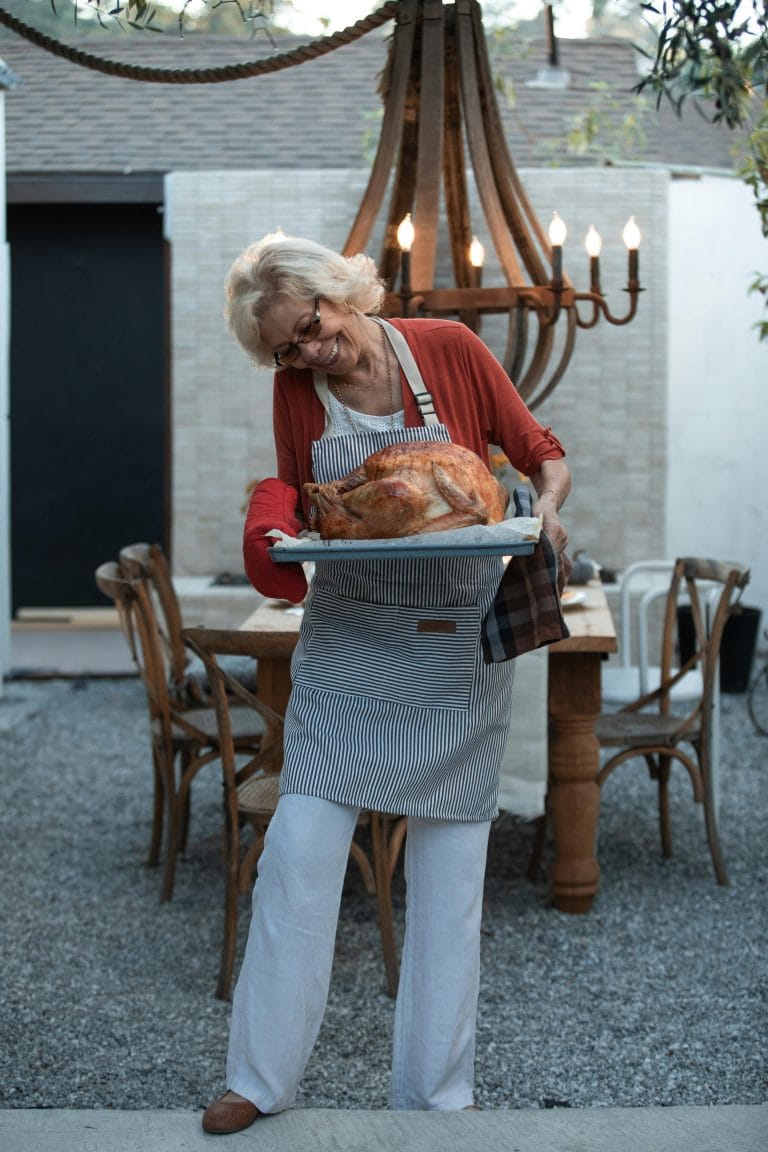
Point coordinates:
[[642, 585]]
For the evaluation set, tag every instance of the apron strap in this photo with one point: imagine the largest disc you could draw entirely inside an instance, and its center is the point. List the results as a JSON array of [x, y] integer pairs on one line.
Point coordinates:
[[409, 366], [321, 388], [411, 369]]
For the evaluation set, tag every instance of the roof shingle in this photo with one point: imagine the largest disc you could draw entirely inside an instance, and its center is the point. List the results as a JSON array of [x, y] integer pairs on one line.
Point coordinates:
[[320, 114]]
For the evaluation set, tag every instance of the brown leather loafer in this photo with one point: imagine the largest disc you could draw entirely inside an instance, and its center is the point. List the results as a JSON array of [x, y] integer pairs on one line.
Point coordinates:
[[230, 1113]]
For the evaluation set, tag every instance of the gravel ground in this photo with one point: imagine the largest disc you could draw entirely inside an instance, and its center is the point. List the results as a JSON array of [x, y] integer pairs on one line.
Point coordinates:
[[657, 997]]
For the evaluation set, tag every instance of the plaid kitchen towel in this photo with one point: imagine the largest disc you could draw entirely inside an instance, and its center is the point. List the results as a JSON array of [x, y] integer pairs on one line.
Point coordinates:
[[526, 613]]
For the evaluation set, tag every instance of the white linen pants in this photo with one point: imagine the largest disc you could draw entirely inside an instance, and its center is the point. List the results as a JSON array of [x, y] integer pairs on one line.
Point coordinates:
[[282, 989]]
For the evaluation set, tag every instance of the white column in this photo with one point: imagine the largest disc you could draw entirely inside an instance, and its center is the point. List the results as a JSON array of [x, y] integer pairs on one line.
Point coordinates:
[[5, 453]]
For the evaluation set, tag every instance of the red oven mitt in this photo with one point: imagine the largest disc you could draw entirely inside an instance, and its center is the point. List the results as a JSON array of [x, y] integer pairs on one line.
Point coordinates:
[[272, 505]]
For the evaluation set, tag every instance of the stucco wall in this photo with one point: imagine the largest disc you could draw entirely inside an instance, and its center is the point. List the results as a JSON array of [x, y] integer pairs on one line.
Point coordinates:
[[717, 502], [610, 409]]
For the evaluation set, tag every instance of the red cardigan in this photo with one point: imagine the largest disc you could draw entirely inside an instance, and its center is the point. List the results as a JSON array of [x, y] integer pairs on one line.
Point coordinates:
[[472, 394]]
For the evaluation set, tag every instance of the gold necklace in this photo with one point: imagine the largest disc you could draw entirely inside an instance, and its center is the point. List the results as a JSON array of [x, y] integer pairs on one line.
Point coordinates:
[[390, 393], [348, 384], [347, 413]]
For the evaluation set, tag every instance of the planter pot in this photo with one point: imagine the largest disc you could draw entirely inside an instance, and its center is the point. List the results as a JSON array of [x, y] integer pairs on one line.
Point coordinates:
[[737, 650]]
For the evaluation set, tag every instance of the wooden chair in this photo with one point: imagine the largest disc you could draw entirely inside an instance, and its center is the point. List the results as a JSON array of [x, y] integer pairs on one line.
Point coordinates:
[[148, 562], [184, 738], [686, 735], [251, 794], [186, 673]]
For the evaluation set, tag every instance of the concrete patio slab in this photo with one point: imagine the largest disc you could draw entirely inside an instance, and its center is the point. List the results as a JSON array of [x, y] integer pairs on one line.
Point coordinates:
[[736, 1128]]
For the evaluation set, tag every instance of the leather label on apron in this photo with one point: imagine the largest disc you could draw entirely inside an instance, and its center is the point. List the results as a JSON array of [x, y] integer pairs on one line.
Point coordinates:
[[446, 626]]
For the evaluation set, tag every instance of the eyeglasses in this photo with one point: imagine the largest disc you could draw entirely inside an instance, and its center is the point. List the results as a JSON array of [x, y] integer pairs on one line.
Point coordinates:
[[290, 353]]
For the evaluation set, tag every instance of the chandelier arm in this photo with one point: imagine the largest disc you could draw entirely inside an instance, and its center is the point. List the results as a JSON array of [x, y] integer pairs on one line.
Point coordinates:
[[429, 166], [547, 314], [517, 342], [521, 218], [630, 315], [538, 362], [565, 359], [479, 153], [391, 131], [596, 310], [600, 307]]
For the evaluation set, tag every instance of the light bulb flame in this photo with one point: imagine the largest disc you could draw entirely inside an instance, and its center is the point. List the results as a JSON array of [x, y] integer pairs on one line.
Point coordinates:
[[557, 231], [476, 253], [631, 234], [593, 242], [406, 233]]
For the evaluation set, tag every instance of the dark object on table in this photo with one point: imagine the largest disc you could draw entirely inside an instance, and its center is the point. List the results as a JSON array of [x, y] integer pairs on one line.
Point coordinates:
[[584, 569], [224, 579]]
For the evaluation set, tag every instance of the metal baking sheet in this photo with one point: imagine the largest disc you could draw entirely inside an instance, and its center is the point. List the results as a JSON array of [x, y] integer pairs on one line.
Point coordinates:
[[384, 550]]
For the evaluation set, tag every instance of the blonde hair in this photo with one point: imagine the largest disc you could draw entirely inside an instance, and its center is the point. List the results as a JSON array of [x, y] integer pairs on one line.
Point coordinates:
[[279, 265]]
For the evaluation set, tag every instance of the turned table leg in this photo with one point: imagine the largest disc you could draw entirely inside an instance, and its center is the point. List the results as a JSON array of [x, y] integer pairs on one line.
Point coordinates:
[[574, 758]]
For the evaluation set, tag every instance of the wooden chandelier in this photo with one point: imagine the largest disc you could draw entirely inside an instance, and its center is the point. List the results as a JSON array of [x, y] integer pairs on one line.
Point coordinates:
[[438, 94]]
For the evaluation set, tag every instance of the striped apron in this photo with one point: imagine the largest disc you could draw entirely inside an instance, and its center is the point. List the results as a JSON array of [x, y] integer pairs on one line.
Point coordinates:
[[393, 707]]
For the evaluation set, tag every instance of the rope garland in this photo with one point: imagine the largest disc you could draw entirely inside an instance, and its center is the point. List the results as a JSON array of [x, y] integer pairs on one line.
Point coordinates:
[[216, 75]]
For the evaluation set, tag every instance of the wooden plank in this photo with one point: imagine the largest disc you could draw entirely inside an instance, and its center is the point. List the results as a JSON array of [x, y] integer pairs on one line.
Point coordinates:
[[401, 202], [391, 129], [517, 343], [426, 207], [515, 202], [451, 301], [529, 386], [478, 147], [454, 171]]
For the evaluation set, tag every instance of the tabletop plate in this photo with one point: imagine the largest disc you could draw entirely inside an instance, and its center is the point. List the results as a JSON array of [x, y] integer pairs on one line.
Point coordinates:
[[572, 597]]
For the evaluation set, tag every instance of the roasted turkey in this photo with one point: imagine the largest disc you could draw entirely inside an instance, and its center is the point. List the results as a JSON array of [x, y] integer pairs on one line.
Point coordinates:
[[407, 489]]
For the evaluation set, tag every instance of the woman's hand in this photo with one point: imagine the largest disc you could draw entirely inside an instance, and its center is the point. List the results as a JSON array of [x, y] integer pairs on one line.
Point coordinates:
[[552, 483], [552, 525]]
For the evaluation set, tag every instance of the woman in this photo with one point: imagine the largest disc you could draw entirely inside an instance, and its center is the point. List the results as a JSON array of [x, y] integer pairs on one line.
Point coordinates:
[[372, 722]]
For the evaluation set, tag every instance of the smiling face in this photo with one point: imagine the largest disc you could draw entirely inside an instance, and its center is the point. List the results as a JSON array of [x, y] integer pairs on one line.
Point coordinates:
[[336, 347]]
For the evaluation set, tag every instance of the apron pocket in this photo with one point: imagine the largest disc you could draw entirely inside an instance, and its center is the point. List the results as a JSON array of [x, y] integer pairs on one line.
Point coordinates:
[[424, 657]]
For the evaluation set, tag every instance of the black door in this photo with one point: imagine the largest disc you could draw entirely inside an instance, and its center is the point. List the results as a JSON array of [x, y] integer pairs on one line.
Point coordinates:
[[87, 393]]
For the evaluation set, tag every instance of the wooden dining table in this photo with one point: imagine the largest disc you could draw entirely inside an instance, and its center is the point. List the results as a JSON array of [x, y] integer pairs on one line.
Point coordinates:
[[573, 755], [574, 704]]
